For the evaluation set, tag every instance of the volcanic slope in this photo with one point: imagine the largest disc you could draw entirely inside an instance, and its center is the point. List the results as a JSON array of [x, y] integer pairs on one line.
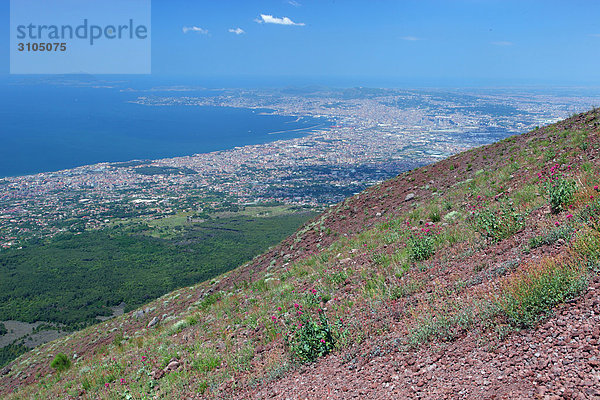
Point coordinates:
[[476, 277]]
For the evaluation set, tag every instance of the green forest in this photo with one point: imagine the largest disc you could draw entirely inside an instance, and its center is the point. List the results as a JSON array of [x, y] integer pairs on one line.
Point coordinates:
[[73, 278]]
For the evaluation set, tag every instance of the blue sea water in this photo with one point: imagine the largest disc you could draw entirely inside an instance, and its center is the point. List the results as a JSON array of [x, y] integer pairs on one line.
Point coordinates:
[[52, 127]]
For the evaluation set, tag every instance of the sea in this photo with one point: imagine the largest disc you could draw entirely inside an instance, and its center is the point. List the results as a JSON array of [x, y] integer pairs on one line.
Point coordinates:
[[53, 125]]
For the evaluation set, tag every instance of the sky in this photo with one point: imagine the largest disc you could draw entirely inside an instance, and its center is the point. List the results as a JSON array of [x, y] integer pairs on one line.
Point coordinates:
[[374, 42]]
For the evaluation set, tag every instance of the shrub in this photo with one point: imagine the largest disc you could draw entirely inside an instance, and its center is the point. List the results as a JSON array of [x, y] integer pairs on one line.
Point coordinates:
[[559, 189], [498, 224], [308, 338], [445, 324], [590, 215], [531, 294], [586, 247], [435, 216], [61, 362], [178, 326], [422, 245], [564, 232], [209, 300]]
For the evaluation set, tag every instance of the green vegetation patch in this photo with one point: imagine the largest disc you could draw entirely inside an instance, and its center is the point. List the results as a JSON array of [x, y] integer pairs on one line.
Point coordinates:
[[10, 352], [74, 278], [61, 362], [531, 295]]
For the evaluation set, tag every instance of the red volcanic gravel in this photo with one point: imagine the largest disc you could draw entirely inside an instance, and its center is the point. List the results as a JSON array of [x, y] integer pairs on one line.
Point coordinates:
[[558, 360]]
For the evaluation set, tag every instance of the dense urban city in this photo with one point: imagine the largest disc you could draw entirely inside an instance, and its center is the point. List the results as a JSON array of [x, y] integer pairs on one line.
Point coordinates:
[[367, 135]]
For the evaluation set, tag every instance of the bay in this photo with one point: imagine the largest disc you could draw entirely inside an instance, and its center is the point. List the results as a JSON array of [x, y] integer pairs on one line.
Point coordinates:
[[50, 127]]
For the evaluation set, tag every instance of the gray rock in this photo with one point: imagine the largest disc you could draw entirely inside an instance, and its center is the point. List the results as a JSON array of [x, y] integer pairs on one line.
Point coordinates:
[[409, 197], [153, 322], [173, 365]]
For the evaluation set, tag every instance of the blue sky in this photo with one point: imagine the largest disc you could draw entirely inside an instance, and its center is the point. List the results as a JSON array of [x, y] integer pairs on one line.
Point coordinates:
[[376, 42]]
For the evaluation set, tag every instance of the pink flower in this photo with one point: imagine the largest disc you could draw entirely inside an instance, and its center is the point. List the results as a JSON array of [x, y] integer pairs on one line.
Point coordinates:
[[106, 385], [569, 216], [278, 308], [322, 340], [122, 381], [556, 223], [296, 305], [596, 188]]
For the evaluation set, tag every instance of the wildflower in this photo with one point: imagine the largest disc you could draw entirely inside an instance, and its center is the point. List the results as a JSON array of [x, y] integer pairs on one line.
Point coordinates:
[[322, 340], [299, 312], [569, 216], [296, 305], [144, 358], [556, 223], [278, 308], [274, 318], [107, 384], [596, 188], [122, 381]]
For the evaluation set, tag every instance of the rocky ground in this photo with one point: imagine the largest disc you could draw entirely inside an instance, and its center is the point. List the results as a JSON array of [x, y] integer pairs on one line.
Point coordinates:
[[559, 360]]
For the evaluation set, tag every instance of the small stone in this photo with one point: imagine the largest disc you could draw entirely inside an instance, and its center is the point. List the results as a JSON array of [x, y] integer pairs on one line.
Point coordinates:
[[153, 322], [409, 197], [173, 365]]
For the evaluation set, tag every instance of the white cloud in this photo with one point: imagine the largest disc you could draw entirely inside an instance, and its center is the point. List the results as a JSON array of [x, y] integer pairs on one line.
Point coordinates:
[[502, 43], [237, 31], [410, 38], [197, 29], [294, 3], [269, 19]]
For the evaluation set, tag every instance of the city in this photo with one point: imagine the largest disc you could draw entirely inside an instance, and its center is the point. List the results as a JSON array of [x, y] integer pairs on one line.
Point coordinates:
[[368, 135]]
